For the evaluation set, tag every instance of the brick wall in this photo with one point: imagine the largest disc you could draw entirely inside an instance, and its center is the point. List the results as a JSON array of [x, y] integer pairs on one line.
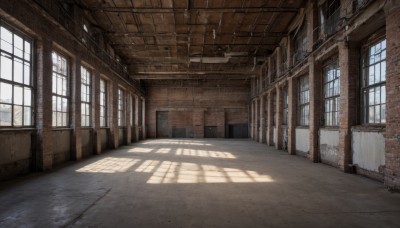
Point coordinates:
[[48, 36], [392, 174], [207, 104]]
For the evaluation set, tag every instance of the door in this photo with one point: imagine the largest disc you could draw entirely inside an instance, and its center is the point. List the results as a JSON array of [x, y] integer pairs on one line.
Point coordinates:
[[238, 131], [210, 132], [162, 124]]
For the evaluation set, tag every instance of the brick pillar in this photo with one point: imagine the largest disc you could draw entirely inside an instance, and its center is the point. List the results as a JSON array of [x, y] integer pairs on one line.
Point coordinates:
[[315, 77], [75, 117], [96, 112], [292, 115], [256, 111], [113, 106], [270, 130], [144, 118], [128, 135], [262, 119], [312, 24], [392, 172], [137, 118], [278, 118], [44, 133], [349, 59]]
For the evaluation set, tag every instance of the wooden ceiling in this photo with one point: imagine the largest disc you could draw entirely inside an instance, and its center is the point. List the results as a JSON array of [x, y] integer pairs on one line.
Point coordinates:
[[192, 39]]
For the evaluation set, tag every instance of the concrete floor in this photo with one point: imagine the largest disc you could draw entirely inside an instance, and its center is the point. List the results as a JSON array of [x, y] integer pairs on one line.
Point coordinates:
[[197, 183]]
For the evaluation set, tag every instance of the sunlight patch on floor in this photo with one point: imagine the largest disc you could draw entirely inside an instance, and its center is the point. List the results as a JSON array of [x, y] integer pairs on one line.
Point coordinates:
[[109, 165], [179, 173], [140, 150]]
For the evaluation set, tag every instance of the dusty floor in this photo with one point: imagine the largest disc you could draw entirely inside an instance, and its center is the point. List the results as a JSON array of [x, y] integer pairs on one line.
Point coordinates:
[[197, 183]]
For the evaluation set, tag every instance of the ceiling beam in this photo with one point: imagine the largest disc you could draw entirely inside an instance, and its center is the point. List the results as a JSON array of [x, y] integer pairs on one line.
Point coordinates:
[[190, 76], [196, 73], [173, 34], [208, 10]]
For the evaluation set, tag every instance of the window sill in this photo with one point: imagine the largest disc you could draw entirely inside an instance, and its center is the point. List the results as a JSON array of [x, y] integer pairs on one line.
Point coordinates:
[[17, 129], [369, 128], [61, 129], [302, 127], [330, 128]]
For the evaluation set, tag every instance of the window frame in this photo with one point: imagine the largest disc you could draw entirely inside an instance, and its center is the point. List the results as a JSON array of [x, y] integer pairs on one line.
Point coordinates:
[[329, 16], [365, 86], [88, 86], [26, 59], [300, 43], [121, 108], [304, 94], [285, 106], [334, 97], [67, 95], [105, 100], [132, 110]]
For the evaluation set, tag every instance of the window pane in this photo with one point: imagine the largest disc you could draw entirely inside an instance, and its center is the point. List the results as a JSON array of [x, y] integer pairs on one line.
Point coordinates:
[[59, 119], [18, 95], [383, 71], [6, 40], [371, 75], [5, 115], [54, 121], [27, 50], [27, 97], [5, 93], [18, 71], [383, 94], [371, 97], [27, 74], [54, 103], [59, 104], [6, 68], [64, 87], [383, 113], [377, 72], [18, 113], [27, 116], [18, 46], [59, 87], [64, 105], [377, 114], [65, 119], [371, 114]]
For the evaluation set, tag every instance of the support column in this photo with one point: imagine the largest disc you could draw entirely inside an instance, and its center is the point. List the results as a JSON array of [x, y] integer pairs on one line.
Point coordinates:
[[96, 112], [292, 115], [315, 108], [392, 155], [76, 139], [144, 118], [262, 120], [349, 77], [44, 133], [270, 130], [278, 118]]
